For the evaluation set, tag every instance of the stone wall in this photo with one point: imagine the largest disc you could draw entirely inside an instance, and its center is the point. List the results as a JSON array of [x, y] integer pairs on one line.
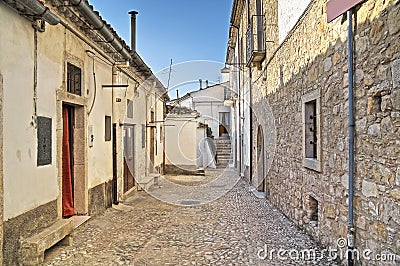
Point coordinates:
[[100, 198], [314, 57], [25, 226]]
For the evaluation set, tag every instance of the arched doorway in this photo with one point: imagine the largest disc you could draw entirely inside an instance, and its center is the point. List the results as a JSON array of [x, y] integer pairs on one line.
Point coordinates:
[[260, 160]]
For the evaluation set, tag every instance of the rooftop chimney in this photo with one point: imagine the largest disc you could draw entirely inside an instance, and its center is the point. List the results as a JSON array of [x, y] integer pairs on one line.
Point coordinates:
[[201, 84], [133, 30], [207, 83]]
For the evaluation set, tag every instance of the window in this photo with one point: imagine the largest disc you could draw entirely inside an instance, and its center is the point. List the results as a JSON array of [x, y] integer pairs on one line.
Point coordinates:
[[74, 79], [311, 130], [129, 109], [161, 134], [107, 128], [227, 94], [152, 117]]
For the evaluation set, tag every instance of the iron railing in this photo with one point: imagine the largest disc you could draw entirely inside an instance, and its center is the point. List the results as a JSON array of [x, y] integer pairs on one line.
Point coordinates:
[[255, 39]]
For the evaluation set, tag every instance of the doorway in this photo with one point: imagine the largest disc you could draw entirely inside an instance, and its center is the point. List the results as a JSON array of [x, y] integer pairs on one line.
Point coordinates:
[[73, 177], [152, 151], [129, 157], [224, 125], [68, 161]]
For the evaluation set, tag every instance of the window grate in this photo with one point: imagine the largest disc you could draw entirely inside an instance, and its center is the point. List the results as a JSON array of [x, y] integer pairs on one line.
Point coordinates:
[[74, 79], [311, 129]]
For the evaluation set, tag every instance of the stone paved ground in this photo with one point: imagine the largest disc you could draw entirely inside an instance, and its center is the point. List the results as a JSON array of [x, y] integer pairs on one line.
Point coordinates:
[[146, 231]]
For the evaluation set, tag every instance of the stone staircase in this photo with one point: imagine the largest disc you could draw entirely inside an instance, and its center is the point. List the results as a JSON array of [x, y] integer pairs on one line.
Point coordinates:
[[224, 153]]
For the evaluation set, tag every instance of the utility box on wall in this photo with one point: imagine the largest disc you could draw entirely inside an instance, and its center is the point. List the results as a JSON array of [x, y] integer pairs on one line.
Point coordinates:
[[44, 132]]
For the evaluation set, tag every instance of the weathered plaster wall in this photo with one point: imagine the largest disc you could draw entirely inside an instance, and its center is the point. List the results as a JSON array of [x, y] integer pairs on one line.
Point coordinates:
[[180, 140], [100, 165], [159, 134], [26, 186], [209, 103]]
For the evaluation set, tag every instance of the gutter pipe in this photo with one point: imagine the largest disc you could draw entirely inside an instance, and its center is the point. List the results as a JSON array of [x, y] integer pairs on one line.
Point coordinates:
[[40, 10], [350, 228], [100, 26]]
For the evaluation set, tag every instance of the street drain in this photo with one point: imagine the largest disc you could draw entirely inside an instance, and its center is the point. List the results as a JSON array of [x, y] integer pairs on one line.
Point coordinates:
[[190, 202]]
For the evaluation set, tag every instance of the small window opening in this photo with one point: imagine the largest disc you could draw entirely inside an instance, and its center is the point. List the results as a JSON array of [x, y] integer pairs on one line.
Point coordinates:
[[311, 129], [107, 131], [74, 79], [312, 210], [129, 109]]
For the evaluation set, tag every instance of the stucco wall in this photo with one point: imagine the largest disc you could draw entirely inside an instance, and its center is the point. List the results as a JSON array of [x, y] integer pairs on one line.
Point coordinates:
[[26, 186], [209, 103], [180, 140]]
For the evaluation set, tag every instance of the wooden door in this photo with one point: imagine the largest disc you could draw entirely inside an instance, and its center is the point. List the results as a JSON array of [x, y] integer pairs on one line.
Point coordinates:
[[129, 157]]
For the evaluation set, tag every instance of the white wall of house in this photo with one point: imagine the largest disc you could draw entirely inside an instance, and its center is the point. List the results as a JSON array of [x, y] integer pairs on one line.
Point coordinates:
[[209, 102], [181, 142], [159, 128], [289, 12], [26, 186], [100, 165]]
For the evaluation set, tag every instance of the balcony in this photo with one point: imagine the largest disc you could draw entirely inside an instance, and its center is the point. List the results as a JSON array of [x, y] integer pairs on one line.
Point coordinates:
[[255, 41]]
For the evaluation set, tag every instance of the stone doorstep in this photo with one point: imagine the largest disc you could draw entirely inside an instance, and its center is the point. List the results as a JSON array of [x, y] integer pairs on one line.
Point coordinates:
[[33, 248], [148, 181]]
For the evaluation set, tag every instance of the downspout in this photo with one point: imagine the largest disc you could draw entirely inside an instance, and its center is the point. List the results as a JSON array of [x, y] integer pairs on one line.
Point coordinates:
[[350, 226], [239, 99], [35, 77], [114, 122], [251, 105], [251, 125]]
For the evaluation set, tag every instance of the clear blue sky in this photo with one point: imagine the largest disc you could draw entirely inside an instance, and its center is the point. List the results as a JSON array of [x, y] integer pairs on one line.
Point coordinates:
[[177, 29]]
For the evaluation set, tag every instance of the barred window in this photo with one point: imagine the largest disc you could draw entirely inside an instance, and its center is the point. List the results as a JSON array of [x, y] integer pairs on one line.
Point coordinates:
[[74, 79]]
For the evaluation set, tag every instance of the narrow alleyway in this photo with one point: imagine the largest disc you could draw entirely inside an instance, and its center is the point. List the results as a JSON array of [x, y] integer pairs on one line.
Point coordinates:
[[145, 231]]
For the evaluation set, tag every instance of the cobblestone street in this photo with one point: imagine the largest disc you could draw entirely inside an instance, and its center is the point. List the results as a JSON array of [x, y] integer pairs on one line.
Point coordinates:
[[146, 231]]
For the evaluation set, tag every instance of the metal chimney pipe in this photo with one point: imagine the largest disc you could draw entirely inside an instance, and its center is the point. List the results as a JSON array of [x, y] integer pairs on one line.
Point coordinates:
[[133, 29], [201, 84]]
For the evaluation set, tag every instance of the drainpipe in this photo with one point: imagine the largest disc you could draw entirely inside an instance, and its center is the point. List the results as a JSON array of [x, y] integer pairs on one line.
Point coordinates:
[[35, 78], [40, 10], [239, 101], [99, 25], [350, 228], [114, 122], [251, 125]]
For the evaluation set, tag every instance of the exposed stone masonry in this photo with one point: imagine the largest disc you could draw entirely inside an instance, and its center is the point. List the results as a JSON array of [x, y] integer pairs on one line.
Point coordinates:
[[314, 57]]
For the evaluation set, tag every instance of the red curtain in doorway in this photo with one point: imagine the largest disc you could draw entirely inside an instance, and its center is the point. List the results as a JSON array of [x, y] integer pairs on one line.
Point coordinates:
[[67, 199]]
